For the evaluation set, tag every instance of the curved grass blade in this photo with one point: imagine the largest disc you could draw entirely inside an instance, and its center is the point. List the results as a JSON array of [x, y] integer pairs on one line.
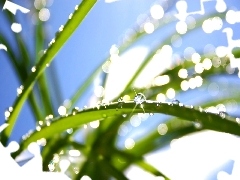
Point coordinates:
[[51, 52], [209, 120]]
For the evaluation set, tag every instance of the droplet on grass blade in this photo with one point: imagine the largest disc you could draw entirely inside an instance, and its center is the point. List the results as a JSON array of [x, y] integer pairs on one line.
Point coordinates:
[[139, 98]]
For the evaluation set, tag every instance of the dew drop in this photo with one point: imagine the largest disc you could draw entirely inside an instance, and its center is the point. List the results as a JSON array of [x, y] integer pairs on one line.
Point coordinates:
[[104, 115], [69, 131], [181, 104], [70, 16], [158, 104], [33, 69], [51, 166], [61, 28], [10, 109], [62, 110], [76, 7], [200, 109], [162, 129], [197, 125], [75, 110], [51, 42], [7, 114], [222, 114], [38, 128], [124, 115], [151, 114], [139, 98], [120, 99], [20, 90], [175, 101], [120, 102]]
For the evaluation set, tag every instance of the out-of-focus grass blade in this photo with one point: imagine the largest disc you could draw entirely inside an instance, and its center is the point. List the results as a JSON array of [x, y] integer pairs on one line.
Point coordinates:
[[21, 74], [110, 169], [61, 38], [153, 52], [138, 160]]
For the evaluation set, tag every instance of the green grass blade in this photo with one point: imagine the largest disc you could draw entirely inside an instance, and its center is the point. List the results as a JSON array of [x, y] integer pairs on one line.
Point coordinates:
[[139, 161], [60, 40], [208, 120], [110, 169]]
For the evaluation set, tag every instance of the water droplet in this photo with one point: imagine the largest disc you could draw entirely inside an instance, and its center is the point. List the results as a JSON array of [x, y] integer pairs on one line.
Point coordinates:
[[47, 65], [33, 69], [51, 42], [129, 143], [70, 16], [197, 125], [124, 115], [62, 110], [120, 99], [61, 28], [151, 114], [69, 131], [75, 110], [19, 90], [38, 128], [120, 102], [200, 109], [76, 7], [175, 101], [10, 109], [222, 114], [181, 104], [95, 124], [51, 166], [139, 98], [7, 114], [162, 129]]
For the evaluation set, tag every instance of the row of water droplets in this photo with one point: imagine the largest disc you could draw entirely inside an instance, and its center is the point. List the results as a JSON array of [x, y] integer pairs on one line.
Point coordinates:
[[139, 99]]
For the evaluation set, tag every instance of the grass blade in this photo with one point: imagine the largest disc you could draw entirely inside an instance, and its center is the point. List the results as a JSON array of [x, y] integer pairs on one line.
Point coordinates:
[[208, 120], [61, 38]]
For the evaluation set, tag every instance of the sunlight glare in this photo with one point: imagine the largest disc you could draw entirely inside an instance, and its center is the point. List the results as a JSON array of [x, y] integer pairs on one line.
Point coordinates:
[[148, 27], [129, 143], [183, 73], [44, 14], [184, 85], [170, 93], [157, 11], [181, 27]]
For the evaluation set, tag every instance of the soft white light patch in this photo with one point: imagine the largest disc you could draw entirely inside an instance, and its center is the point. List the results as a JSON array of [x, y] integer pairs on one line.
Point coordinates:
[[121, 71], [161, 60], [110, 1], [189, 158], [16, 27], [2, 46]]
